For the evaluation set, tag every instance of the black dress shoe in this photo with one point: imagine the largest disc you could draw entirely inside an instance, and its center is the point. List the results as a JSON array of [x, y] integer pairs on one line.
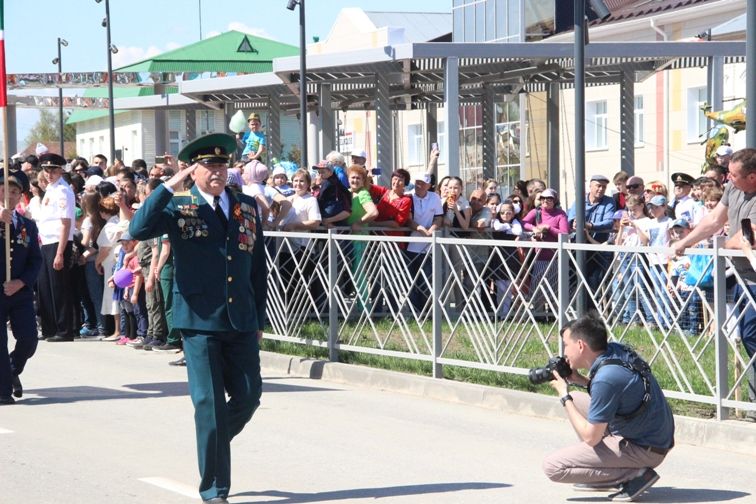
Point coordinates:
[[216, 500], [180, 362], [57, 339], [18, 389], [7, 400]]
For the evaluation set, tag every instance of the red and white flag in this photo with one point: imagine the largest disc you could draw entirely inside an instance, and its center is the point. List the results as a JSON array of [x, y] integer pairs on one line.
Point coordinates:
[[3, 84]]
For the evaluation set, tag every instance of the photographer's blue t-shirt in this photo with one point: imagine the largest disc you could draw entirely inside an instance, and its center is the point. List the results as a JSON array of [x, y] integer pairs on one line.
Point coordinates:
[[616, 390]]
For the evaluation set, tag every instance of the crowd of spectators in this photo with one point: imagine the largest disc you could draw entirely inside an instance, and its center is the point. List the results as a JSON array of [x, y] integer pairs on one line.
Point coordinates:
[[123, 287]]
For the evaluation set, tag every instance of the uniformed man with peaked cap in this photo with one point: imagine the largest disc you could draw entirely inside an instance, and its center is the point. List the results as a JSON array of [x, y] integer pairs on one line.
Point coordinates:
[[17, 298], [220, 297], [56, 230]]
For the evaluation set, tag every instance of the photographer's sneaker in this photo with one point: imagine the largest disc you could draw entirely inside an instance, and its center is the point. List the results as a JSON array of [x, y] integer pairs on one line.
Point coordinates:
[[635, 487]]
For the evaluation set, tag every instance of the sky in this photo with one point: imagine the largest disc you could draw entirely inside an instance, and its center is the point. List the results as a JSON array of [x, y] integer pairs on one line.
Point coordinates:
[[141, 29]]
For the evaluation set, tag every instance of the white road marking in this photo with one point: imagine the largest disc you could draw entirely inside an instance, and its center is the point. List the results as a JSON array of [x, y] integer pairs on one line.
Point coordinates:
[[173, 486]]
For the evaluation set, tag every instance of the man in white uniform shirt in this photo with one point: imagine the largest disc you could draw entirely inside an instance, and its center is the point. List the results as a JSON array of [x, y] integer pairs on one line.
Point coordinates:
[[56, 229], [427, 216]]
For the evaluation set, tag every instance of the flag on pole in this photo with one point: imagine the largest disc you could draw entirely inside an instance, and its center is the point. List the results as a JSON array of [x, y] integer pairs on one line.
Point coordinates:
[[3, 84]]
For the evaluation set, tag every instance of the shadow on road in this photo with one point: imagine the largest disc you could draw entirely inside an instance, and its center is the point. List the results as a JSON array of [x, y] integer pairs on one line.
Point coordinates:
[[278, 496], [661, 495], [62, 395]]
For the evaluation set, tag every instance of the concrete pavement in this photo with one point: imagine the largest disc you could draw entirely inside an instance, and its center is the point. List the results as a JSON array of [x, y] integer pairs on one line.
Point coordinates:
[[101, 423]]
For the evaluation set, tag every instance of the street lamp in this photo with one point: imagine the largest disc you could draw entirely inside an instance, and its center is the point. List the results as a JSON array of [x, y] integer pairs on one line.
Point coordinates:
[[59, 61], [111, 51], [302, 75]]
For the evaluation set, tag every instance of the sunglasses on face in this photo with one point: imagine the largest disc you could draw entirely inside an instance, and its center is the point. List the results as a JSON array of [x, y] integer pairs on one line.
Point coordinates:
[[547, 198], [633, 186]]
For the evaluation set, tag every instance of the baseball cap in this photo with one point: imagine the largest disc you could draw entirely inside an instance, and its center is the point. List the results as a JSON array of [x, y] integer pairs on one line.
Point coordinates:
[[125, 236], [681, 223], [618, 215], [548, 193], [322, 165], [93, 180], [724, 150], [422, 177], [658, 200], [359, 153]]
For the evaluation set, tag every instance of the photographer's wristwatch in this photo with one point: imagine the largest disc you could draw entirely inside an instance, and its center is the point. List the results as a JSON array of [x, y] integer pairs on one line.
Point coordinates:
[[564, 399]]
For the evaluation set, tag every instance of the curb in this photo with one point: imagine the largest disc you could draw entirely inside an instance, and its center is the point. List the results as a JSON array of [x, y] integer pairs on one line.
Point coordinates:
[[729, 435]]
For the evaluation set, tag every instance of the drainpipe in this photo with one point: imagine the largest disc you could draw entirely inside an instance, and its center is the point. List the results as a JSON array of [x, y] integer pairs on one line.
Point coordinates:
[[665, 38]]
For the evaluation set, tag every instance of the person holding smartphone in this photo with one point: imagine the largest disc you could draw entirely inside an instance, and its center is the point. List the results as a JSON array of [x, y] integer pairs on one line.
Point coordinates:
[[736, 205]]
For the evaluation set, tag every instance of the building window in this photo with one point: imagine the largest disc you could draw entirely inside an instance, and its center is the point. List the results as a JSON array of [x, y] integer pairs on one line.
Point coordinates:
[[206, 122], [174, 143], [415, 148], [595, 125], [487, 20], [696, 117], [175, 127], [638, 115]]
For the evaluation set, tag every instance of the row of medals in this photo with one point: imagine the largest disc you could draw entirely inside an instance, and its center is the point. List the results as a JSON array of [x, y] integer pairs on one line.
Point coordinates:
[[246, 236], [191, 226]]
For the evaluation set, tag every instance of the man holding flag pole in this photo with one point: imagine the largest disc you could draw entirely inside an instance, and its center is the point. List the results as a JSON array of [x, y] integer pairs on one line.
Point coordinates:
[[20, 243]]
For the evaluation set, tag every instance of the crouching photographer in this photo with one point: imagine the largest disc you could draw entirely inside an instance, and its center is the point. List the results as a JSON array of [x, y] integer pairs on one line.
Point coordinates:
[[624, 422]]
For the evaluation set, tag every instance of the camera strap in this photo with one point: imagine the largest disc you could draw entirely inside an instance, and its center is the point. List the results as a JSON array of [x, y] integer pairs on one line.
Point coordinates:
[[637, 365]]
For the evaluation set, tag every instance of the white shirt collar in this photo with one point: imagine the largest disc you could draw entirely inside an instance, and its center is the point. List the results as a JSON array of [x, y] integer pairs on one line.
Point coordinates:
[[224, 203]]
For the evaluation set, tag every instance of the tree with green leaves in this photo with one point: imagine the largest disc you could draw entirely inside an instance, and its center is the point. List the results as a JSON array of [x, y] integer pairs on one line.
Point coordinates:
[[46, 131]]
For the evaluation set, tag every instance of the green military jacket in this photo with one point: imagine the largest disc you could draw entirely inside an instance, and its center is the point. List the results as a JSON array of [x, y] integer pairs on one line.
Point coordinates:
[[220, 277]]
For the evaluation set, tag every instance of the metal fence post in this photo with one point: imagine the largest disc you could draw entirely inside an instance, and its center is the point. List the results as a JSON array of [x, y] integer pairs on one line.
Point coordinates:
[[436, 278], [720, 314], [563, 282], [333, 320]]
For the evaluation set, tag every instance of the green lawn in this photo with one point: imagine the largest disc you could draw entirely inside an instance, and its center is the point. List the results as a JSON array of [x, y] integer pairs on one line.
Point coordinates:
[[516, 345]]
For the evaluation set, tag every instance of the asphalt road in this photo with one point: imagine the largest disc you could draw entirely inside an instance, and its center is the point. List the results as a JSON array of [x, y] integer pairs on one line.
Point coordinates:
[[105, 424]]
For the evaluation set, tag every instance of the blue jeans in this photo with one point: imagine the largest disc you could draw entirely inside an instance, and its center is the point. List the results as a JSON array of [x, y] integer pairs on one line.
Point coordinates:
[[634, 278], [747, 327], [95, 286], [661, 297]]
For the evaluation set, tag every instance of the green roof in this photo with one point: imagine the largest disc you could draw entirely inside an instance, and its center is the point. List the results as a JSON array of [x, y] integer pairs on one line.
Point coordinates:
[[232, 51], [81, 115]]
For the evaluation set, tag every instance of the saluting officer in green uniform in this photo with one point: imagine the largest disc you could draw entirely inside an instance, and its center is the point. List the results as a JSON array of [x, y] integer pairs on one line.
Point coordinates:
[[219, 297]]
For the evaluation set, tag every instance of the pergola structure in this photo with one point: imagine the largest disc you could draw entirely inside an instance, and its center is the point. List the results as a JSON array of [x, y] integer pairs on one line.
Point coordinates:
[[426, 75]]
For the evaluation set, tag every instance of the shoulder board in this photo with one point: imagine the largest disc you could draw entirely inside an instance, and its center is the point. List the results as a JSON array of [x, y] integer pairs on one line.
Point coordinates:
[[182, 193]]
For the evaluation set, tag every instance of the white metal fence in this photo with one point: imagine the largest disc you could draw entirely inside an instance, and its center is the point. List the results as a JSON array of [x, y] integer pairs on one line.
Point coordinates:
[[497, 305]]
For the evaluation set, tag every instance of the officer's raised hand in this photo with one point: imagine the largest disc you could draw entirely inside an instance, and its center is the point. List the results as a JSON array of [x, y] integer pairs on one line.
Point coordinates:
[[176, 183]]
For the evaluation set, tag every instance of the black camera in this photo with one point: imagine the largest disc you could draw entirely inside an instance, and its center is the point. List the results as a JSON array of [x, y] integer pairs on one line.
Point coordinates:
[[545, 374]]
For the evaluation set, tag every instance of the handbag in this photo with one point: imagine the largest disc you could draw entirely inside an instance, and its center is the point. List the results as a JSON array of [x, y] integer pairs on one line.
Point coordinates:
[[700, 271]]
